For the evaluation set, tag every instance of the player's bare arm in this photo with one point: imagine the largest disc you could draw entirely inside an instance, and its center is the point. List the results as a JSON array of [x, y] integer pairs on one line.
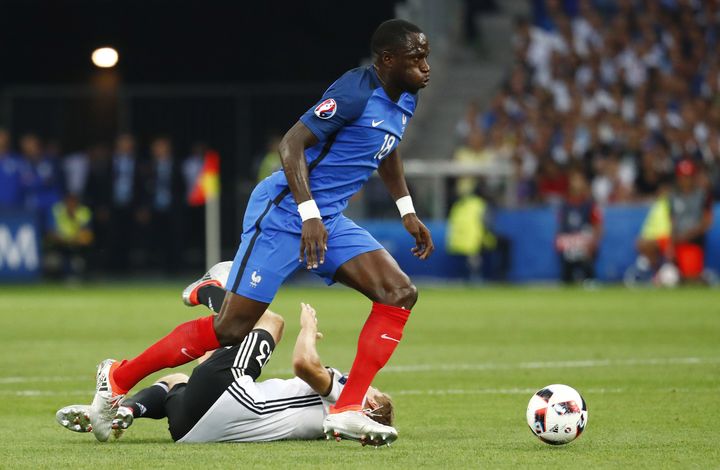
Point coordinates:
[[306, 360], [392, 173], [292, 155]]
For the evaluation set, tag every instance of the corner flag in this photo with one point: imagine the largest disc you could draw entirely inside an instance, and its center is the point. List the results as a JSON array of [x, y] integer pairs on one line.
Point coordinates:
[[207, 184]]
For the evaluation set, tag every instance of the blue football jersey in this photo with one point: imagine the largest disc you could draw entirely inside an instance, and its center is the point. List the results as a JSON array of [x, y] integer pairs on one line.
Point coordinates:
[[357, 125]]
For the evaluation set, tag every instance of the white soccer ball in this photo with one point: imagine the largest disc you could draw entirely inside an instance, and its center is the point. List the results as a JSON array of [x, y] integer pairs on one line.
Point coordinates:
[[557, 414], [668, 275]]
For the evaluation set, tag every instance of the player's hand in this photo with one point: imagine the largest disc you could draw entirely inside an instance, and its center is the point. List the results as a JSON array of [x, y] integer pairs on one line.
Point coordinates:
[[424, 245], [308, 319], [313, 243]]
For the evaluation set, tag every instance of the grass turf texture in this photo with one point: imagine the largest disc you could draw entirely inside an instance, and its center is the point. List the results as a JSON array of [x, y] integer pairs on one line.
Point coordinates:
[[648, 367]]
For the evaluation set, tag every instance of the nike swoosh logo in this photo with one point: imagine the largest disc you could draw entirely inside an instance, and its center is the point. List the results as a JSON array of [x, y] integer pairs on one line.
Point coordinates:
[[375, 124], [385, 336], [185, 351]]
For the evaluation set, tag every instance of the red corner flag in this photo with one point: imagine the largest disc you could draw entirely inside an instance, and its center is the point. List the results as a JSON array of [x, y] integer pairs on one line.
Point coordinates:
[[207, 184]]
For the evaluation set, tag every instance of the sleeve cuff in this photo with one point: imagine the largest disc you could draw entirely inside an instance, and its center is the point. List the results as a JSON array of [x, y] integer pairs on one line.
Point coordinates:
[[308, 121]]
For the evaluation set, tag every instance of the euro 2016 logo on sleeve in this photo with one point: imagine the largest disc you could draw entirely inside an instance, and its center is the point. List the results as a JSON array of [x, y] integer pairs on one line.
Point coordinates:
[[326, 109]]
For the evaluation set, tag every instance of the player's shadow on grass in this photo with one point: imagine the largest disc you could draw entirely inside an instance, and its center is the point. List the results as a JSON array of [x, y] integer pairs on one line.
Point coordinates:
[[274, 444], [529, 447]]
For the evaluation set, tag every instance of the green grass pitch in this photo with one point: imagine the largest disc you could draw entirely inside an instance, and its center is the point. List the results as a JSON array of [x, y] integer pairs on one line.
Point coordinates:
[[646, 361]]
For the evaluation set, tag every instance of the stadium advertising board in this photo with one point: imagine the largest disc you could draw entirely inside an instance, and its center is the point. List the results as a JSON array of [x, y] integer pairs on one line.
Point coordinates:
[[19, 247]]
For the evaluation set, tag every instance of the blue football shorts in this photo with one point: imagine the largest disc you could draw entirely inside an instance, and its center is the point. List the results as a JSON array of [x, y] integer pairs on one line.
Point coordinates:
[[270, 248]]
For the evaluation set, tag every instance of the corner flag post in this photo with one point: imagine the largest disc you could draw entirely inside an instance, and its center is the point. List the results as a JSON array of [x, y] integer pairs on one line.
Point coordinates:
[[212, 230]]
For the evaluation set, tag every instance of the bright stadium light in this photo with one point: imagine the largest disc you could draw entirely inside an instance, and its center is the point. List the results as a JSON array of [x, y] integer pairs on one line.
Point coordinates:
[[104, 57]]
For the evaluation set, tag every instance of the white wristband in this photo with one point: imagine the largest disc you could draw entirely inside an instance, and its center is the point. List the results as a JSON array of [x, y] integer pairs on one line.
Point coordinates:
[[405, 206], [309, 210]]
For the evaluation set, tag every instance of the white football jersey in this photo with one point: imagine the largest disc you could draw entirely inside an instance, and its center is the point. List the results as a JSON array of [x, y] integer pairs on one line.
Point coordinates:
[[271, 410]]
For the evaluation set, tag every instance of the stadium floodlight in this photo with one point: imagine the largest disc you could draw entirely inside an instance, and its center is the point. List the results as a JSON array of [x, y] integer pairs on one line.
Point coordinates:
[[105, 57]]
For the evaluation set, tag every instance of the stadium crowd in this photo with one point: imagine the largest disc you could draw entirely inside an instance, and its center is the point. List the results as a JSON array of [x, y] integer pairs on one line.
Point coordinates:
[[605, 102], [621, 89], [111, 207]]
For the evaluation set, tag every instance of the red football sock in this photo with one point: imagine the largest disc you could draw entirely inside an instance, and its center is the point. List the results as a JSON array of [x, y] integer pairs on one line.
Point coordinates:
[[184, 344], [378, 339]]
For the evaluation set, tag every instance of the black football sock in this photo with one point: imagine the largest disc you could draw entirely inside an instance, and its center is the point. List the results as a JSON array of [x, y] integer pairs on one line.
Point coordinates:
[[148, 402], [212, 297]]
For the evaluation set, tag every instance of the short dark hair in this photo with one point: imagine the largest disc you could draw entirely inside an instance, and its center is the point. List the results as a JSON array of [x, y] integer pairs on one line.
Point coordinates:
[[391, 35]]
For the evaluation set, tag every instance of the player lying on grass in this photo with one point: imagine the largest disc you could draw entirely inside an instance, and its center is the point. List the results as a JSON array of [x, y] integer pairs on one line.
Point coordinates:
[[222, 402]]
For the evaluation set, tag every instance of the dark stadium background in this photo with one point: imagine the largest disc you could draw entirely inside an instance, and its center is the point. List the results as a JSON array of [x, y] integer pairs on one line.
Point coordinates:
[[228, 73], [510, 116]]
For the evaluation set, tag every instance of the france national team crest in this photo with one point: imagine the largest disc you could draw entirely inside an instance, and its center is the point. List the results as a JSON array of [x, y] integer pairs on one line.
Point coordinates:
[[255, 279], [326, 109]]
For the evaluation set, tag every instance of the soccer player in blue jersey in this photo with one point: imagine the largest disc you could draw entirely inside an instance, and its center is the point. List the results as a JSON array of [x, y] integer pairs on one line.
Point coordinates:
[[294, 219]]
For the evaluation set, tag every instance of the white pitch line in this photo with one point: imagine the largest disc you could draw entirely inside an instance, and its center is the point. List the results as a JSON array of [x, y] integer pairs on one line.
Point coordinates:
[[40, 379], [448, 367], [494, 391], [553, 364], [529, 391], [432, 392], [46, 393]]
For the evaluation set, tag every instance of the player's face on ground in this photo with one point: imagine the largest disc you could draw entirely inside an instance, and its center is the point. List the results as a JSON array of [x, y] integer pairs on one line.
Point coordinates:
[[410, 68], [371, 397], [381, 406]]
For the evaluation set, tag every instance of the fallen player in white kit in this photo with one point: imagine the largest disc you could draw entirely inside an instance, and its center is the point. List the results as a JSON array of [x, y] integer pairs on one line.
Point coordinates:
[[222, 402]]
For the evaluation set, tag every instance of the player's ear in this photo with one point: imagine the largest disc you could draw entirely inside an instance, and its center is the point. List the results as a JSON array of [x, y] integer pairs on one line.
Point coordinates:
[[387, 58]]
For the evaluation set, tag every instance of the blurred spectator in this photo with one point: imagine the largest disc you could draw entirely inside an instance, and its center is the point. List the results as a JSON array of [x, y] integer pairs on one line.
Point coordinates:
[[125, 200], [69, 238], [98, 194], [552, 182], [470, 122], [194, 216], [98, 188], [524, 185], [270, 162], [192, 166], [651, 177], [579, 230], [675, 228], [476, 152], [13, 175], [609, 184], [76, 167], [164, 189], [470, 236], [45, 178]]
